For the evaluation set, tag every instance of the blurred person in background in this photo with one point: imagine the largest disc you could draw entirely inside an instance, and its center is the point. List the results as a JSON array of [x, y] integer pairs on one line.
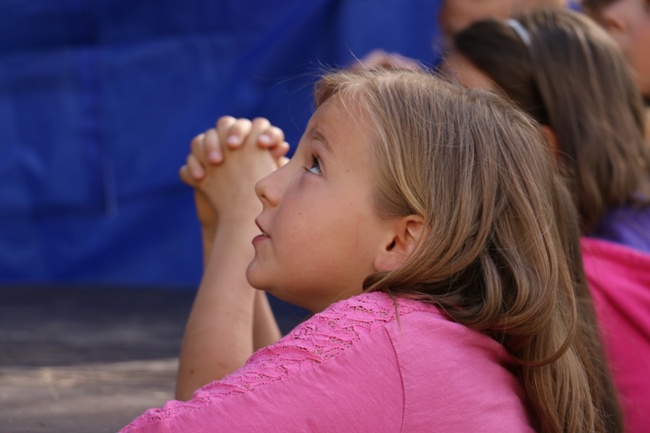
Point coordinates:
[[566, 72], [628, 22]]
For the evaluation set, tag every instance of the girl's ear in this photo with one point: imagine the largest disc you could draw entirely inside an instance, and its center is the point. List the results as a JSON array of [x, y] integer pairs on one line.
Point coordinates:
[[552, 140], [404, 238]]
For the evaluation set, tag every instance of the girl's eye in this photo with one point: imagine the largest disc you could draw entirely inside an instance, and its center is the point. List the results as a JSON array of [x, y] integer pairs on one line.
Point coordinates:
[[315, 165]]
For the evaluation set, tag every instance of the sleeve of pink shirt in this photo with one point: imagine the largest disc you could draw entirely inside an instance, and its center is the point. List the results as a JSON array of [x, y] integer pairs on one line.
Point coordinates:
[[356, 368]]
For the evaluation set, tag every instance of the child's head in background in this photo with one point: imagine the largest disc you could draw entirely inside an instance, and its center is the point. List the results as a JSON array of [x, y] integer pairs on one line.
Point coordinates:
[[569, 75]]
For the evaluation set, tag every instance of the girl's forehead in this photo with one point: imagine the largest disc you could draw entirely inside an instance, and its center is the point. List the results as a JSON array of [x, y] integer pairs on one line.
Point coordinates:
[[336, 112], [340, 123]]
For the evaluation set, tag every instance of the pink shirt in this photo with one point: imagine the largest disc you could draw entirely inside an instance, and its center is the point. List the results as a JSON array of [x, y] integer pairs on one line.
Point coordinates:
[[356, 367], [619, 279]]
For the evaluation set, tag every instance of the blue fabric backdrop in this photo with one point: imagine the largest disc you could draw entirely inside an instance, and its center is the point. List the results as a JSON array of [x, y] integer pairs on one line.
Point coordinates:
[[100, 98]]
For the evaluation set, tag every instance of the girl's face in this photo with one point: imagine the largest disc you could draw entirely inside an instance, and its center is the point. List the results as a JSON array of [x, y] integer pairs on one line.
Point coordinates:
[[320, 229], [628, 22]]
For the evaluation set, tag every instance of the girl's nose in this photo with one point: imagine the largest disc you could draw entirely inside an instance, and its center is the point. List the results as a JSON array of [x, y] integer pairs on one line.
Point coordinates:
[[269, 189]]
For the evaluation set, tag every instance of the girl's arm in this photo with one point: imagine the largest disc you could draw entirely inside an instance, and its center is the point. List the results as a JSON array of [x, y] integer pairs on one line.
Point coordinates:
[[229, 319]]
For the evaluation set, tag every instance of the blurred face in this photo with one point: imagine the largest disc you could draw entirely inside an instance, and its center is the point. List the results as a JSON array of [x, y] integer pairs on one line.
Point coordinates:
[[456, 15], [628, 22], [320, 230], [457, 68]]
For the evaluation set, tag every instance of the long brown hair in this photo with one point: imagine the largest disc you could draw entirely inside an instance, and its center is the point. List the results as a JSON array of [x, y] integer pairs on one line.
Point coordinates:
[[571, 76], [502, 253]]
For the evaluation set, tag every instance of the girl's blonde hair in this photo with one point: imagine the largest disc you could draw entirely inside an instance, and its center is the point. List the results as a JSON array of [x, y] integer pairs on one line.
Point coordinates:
[[571, 76], [502, 253]]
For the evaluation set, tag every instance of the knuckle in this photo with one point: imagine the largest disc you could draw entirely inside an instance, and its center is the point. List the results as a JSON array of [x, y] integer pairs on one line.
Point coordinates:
[[242, 123], [212, 139], [277, 132], [196, 140], [226, 119], [261, 122]]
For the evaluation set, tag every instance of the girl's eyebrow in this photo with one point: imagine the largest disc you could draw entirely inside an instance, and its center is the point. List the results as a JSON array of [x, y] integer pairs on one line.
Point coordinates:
[[314, 134]]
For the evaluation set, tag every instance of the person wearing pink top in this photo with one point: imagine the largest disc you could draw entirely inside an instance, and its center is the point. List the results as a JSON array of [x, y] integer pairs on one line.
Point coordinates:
[[596, 129], [354, 367], [619, 277], [426, 229]]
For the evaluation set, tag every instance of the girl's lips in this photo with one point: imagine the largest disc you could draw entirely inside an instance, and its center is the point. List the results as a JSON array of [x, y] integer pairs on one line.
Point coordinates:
[[261, 229], [259, 238]]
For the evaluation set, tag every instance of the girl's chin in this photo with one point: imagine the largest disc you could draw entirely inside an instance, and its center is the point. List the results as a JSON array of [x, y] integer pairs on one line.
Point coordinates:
[[255, 277]]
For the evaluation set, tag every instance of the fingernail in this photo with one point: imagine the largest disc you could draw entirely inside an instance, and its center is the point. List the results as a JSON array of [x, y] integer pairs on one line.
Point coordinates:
[[197, 174], [234, 140], [265, 139], [214, 156]]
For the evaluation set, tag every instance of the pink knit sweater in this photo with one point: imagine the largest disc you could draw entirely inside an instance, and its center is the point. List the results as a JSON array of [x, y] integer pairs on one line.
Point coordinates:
[[359, 367]]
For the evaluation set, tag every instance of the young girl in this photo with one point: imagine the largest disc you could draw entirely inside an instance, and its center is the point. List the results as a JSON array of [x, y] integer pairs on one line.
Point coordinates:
[[565, 72], [425, 227]]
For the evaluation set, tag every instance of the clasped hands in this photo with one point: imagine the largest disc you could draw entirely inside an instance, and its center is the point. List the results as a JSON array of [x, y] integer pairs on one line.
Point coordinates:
[[226, 162]]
